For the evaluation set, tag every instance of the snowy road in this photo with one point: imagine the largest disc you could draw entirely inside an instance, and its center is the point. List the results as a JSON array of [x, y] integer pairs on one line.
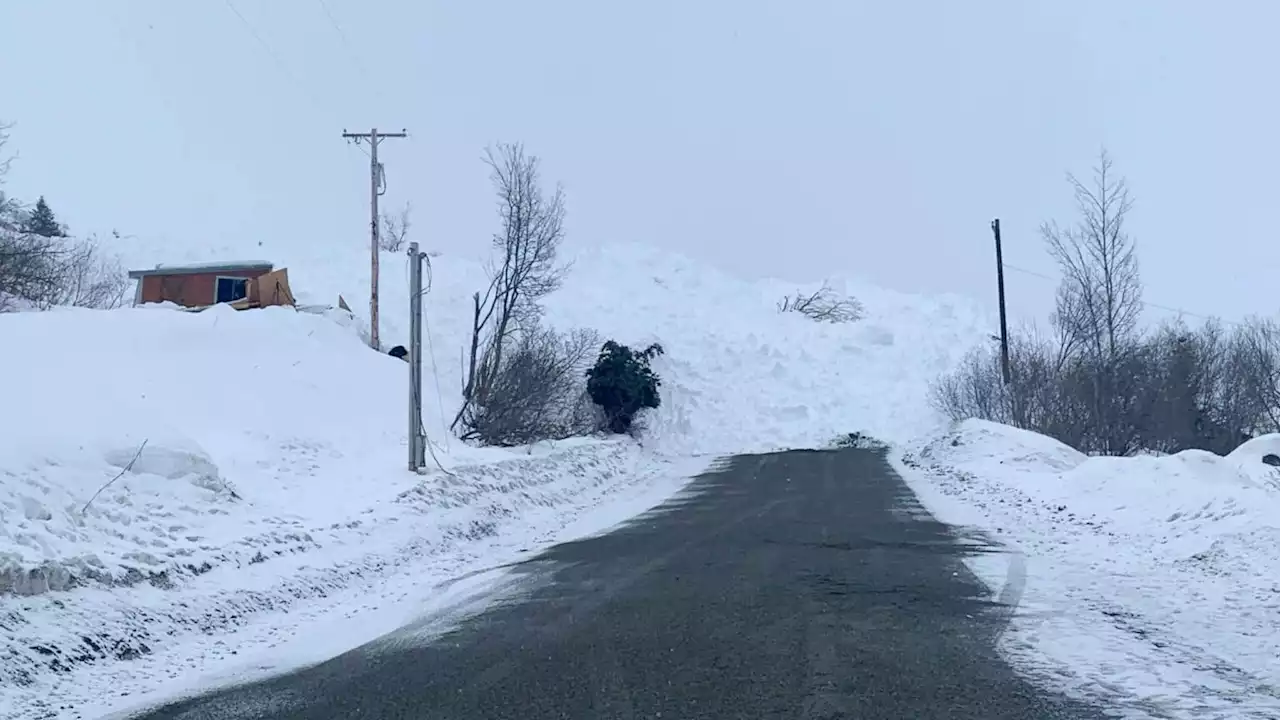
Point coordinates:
[[802, 584]]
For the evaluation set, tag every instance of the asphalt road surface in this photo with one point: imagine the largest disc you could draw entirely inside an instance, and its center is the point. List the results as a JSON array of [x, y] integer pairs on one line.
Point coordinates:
[[804, 584]]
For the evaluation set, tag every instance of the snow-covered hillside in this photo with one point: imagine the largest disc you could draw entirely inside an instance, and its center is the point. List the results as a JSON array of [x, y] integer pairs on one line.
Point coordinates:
[[272, 477], [1152, 581]]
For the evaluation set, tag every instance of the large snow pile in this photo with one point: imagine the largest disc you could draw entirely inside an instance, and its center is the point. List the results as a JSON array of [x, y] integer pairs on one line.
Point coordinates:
[[1154, 578], [272, 476], [238, 412]]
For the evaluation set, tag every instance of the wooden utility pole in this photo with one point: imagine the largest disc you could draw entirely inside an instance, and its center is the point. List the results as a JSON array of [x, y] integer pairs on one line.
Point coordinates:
[[377, 186], [1004, 324]]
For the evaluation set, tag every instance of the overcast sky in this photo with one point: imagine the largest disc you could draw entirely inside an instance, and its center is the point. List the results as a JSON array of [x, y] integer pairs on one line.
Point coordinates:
[[792, 138]]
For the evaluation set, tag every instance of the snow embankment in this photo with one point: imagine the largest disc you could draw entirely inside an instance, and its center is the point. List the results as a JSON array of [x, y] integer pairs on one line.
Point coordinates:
[[1152, 579]]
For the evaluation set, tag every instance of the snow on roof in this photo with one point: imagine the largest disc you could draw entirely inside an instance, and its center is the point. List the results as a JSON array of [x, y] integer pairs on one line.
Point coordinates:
[[194, 268]]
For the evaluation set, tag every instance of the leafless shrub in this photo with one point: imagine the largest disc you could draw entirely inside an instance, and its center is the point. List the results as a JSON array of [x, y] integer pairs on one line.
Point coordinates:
[[31, 269], [1174, 389], [1250, 377], [974, 389], [526, 271], [537, 391], [394, 230], [91, 278], [823, 305], [50, 271]]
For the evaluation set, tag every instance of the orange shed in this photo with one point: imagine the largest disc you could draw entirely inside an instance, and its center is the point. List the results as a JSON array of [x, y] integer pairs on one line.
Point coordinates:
[[197, 285]]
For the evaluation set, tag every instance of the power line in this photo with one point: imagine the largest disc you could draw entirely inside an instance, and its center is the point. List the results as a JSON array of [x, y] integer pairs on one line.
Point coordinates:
[[1144, 303], [346, 42], [281, 64], [253, 32], [370, 80]]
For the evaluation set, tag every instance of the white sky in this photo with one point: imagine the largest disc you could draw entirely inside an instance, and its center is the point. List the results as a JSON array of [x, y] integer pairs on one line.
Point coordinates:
[[793, 138]]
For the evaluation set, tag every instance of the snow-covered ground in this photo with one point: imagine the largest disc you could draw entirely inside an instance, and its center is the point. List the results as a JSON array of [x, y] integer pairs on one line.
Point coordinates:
[[1151, 581], [268, 520], [270, 497]]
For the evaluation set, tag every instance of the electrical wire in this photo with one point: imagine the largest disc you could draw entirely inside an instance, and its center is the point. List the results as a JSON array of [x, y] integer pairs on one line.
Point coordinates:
[[435, 374], [1144, 303], [286, 71], [346, 43], [275, 57]]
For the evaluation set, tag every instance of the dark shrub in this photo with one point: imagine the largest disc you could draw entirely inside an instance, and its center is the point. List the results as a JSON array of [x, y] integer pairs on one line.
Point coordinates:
[[621, 383]]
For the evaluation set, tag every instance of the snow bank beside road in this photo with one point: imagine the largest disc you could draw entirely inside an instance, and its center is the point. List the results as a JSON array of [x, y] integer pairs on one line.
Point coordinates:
[[1153, 580], [488, 514]]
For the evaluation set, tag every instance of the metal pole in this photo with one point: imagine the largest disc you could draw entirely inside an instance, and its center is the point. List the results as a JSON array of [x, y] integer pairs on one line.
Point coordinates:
[[417, 447], [1004, 324], [373, 235]]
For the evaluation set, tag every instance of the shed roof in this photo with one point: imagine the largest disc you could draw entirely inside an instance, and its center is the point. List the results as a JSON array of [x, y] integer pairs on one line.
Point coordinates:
[[202, 268]]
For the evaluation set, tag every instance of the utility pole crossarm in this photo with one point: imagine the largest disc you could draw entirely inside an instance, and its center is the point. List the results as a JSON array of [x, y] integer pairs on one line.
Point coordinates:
[[375, 133]]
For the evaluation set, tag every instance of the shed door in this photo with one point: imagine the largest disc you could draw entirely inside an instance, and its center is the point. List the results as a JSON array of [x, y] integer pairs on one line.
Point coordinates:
[[230, 289]]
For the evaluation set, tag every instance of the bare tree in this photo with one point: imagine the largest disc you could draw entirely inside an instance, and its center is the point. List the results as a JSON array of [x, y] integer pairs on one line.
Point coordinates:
[[1100, 298], [822, 305], [395, 229], [526, 270], [1251, 376]]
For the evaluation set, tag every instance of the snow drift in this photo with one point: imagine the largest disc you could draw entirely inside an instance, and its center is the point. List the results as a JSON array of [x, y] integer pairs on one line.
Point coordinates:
[[1152, 579], [272, 472]]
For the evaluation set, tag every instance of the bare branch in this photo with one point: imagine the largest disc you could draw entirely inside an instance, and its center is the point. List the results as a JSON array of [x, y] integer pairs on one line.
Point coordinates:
[[5, 159], [119, 475], [823, 305]]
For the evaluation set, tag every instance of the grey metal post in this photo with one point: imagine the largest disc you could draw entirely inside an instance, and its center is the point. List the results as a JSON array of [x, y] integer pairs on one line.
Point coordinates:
[[374, 170], [417, 440]]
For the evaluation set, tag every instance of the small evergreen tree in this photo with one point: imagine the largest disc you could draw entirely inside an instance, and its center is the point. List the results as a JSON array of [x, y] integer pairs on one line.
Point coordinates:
[[621, 383], [42, 221]]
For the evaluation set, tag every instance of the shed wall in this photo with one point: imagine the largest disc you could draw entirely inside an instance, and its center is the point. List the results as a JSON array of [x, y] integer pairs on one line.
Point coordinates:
[[189, 290]]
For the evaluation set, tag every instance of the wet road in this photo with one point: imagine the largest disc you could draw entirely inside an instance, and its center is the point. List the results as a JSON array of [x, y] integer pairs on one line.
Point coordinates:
[[805, 584]]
